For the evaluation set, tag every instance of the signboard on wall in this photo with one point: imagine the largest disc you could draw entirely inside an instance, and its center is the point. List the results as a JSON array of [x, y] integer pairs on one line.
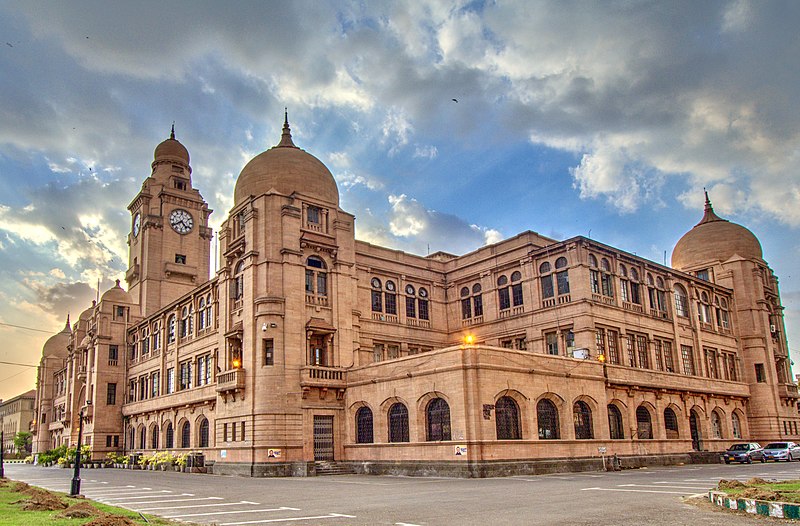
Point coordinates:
[[461, 451], [273, 453], [223, 453]]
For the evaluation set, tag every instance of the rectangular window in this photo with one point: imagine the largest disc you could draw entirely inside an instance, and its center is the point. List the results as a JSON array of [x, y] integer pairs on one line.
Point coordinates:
[[132, 391], [607, 285], [711, 363], [761, 376], [202, 376], [516, 294], [562, 278], [143, 388], [309, 281], [185, 375], [687, 357], [411, 307], [155, 384], [635, 296], [113, 354], [477, 303], [313, 214], [423, 309], [108, 440], [377, 352], [504, 298], [551, 343], [224, 432], [111, 394], [600, 341], [613, 346], [658, 356], [669, 360], [569, 341], [377, 301], [702, 274], [391, 303], [521, 344], [170, 380], [392, 352], [466, 309], [631, 350], [233, 432], [180, 259], [641, 350], [243, 430], [269, 351], [623, 290], [116, 440], [594, 280], [507, 344], [547, 286], [322, 283]]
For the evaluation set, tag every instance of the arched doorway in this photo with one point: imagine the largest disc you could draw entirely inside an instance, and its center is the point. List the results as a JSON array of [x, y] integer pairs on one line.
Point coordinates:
[[694, 428]]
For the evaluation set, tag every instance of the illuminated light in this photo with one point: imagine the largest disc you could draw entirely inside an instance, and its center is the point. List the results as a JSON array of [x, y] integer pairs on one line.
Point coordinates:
[[236, 364], [469, 339], [601, 358]]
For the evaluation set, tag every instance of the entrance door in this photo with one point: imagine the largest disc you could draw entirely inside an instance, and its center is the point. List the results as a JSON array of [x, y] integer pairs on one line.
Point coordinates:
[[323, 437], [694, 428]]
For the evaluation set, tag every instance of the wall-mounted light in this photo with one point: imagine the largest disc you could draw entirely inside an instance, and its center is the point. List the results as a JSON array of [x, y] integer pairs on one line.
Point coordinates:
[[264, 327], [469, 339]]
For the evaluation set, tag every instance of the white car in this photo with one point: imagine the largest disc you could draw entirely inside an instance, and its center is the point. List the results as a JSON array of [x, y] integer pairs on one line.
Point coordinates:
[[776, 451]]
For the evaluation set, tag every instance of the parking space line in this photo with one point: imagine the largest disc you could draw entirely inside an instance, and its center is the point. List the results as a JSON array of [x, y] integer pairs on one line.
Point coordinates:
[[282, 508], [328, 516], [635, 490], [126, 504]]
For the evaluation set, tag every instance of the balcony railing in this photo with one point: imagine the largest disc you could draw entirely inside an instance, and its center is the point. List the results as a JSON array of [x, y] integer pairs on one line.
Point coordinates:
[[475, 320], [313, 299], [635, 307], [388, 318], [414, 322], [318, 376], [232, 380]]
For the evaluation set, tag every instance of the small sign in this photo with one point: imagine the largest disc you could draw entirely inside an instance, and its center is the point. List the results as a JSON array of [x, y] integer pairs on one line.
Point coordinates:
[[273, 453], [461, 451], [223, 453], [601, 450]]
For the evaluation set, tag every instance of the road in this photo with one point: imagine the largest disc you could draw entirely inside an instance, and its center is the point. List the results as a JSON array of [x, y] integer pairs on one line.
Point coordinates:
[[632, 497]]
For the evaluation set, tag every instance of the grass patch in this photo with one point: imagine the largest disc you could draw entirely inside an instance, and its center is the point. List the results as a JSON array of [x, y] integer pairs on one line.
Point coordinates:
[[760, 489], [47, 508]]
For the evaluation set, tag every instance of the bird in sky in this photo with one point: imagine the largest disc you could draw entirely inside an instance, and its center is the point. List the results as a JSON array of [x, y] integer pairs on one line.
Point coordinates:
[[454, 100]]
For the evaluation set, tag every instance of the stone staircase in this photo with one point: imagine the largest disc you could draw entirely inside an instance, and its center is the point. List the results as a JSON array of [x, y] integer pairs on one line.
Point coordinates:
[[327, 467]]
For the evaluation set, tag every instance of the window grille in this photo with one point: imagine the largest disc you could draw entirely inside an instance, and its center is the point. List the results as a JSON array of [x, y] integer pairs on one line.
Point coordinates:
[[185, 435], [615, 423], [583, 420], [204, 433], [670, 423], [169, 437], [506, 416], [688, 360], [716, 425], [154, 438], [142, 438], [438, 413], [547, 416], [364, 426], [737, 426], [644, 425], [398, 423]]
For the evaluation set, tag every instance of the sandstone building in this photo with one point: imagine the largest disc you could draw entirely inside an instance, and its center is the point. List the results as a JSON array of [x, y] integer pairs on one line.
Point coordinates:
[[309, 345], [16, 415]]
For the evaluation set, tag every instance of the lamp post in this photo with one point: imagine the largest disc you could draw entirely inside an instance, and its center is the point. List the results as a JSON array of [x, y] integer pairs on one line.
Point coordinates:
[[75, 490], [2, 448]]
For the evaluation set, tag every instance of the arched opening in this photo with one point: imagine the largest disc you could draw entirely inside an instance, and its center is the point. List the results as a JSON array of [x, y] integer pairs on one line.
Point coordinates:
[[615, 423], [398, 423], [670, 423], [438, 414], [582, 415], [203, 433], [186, 434], [547, 416], [506, 416], [364, 426], [694, 429], [644, 425], [169, 437]]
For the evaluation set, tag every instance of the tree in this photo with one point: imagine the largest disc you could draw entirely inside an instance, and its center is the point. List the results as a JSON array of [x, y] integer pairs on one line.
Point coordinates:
[[22, 442]]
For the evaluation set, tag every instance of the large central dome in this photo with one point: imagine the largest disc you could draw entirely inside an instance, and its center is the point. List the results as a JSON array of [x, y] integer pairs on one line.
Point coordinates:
[[714, 239], [286, 169]]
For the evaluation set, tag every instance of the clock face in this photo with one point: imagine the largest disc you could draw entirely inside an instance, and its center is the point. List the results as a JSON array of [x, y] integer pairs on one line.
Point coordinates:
[[137, 224], [181, 221]]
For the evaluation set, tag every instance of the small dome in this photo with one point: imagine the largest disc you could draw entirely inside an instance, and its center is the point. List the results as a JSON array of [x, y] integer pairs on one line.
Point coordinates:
[[714, 239], [57, 344], [116, 294], [171, 150], [85, 315], [286, 169], [85, 342]]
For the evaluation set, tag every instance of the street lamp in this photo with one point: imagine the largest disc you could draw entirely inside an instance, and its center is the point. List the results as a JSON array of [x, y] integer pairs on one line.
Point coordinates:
[[2, 444], [75, 490]]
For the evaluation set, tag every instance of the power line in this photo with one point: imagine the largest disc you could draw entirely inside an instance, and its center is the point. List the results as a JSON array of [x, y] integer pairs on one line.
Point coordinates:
[[26, 328], [20, 364]]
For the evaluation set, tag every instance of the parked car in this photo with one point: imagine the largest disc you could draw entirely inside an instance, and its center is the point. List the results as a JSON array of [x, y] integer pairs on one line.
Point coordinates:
[[745, 452], [776, 451]]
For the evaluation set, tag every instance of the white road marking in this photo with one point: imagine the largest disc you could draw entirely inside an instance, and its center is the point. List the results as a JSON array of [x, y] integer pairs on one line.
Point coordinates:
[[128, 504], [163, 495], [282, 508], [405, 524], [654, 486], [198, 505], [329, 516], [635, 490]]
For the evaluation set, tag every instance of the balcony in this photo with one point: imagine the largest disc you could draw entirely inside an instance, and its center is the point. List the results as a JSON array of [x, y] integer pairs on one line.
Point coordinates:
[[606, 300], [232, 380], [313, 299], [318, 376], [788, 391], [388, 318], [635, 307], [475, 320], [413, 322]]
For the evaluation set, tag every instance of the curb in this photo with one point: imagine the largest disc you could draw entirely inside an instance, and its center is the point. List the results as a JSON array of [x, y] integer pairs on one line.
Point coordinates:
[[781, 510]]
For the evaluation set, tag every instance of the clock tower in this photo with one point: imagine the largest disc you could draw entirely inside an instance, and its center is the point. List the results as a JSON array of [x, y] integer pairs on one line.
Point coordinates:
[[170, 240]]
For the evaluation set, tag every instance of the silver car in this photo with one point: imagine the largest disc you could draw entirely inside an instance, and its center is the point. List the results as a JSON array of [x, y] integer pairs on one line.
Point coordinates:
[[776, 451]]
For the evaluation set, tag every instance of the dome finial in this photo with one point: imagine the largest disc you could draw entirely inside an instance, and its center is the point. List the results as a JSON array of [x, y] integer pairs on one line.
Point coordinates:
[[172, 133], [67, 325], [286, 136], [708, 211]]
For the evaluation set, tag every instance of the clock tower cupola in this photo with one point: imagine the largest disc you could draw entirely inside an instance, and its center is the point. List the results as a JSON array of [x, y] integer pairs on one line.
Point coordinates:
[[170, 240]]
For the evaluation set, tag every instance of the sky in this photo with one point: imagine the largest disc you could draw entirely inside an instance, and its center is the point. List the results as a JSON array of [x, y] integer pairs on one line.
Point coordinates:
[[447, 125]]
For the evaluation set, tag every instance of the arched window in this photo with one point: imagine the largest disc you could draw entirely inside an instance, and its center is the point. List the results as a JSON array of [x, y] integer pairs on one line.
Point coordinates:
[[503, 296], [516, 289], [422, 304], [736, 425], [390, 298], [704, 309], [506, 416], [411, 302], [546, 280], [615, 423], [634, 294], [184, 326], [592, 261], [398, 423], [716, 425], [142, 438], [209, 324], [466, 304], [316, 277], [132, 437], [723, 318], [681, 302], [169, 437], [605, 265], [471, 304], [201, 310], [644, 426], [171, 329], [186, 434], [364, 426], [190, 327], [145, 341], [547, 416], [582, 415], [377, 295], [237, 290], [438, 414], [154, 438], [562, 276], [670, 423], [156, 336], [203, 433]]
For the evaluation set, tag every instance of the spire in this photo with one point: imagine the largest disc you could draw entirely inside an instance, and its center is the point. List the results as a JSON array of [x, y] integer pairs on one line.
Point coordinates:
[[172, 133], [286, 136], [708, 211], [66, 327]]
